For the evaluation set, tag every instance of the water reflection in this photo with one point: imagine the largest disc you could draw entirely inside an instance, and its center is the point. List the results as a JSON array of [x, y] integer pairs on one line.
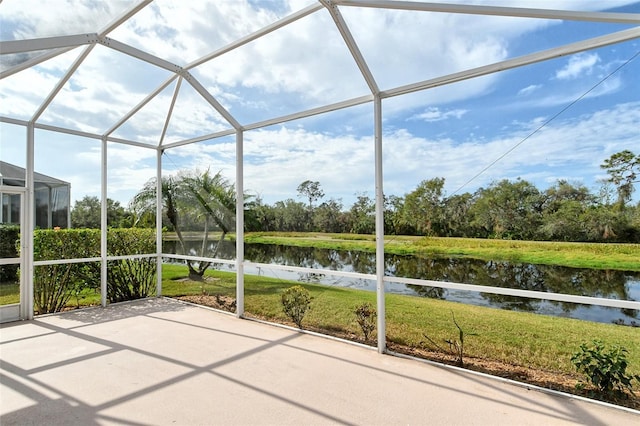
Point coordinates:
[[621, 285]]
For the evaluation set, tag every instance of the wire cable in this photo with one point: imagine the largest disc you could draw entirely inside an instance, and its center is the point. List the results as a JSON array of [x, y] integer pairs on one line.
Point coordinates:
[[575, 101], [170, 158]]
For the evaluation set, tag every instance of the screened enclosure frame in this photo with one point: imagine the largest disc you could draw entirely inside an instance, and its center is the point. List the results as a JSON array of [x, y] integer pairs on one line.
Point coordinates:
[[181, 74]]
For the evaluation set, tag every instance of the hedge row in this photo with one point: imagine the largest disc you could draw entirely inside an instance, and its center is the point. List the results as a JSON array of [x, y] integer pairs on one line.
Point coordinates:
[[9, 235], [127, 279]]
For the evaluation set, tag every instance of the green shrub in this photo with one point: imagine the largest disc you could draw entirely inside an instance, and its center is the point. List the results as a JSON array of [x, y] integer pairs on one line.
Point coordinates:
[[9, 239], [295, 303], [605, 369], [127, 279], [366, 318], [130, 279], [54, 285]]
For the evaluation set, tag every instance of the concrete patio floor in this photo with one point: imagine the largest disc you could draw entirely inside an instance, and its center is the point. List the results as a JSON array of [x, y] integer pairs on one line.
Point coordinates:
[[162, 362]]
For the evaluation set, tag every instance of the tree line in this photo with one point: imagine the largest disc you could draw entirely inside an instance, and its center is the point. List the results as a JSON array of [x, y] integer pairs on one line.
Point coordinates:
[[505, 209]]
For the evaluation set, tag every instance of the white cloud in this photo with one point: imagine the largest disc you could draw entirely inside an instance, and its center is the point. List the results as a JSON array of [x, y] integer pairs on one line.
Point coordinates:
[[579, 64], [22, 94], [425, 37], [432, 114], [564, 96], [129, 168], [526, 91], [47, 18], [185, 31], [276, 161], [572, 148]]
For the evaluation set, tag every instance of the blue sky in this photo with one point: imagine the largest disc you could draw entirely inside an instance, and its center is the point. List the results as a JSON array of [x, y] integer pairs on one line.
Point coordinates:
[[453, 132]]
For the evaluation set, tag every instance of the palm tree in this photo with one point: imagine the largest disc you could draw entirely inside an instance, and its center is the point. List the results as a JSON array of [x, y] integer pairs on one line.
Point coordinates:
[[216, 199], [145, 202], [205, 195]]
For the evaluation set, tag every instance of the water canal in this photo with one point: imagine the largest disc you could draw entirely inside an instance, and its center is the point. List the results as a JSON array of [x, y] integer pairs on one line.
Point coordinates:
[[623, 285]]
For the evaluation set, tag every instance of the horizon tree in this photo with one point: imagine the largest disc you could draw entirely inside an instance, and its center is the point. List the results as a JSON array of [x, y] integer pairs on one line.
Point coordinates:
[[623, 168], [86, 213], [311, 191], [423, 208], [508, 210]]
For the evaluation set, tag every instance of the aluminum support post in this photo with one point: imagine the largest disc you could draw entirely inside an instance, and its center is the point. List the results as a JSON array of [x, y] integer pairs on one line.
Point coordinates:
[[103, 224], [239, 224], [382, 343], [26, 286], [159, 222], [29, 225]]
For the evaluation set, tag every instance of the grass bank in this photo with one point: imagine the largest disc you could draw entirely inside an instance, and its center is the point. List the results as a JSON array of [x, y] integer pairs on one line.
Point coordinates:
[[624, 257], [520, 339], [9, 293]]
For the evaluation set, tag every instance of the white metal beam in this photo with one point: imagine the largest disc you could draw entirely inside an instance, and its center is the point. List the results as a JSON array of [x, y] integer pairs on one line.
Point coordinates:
[[172, 105], [212, 101], [46, 43], [202, 138], [529, 294], [62, 82], [255, 35], [66, 261], [557, 52], [103, 223], [140, 54], [51, 128], [199, 258], [16, 121], [131, 143], [159, 201], [351, 45], [92, 259], [26, 287], [67, 131], [516, 292], [30, 222], [380, 294], [619, 18], [239, 224], [140, 105], [34, 61], [311, 112]]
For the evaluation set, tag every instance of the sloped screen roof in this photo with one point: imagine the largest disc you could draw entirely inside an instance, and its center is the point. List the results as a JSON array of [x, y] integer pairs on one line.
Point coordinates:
[[165, 74]]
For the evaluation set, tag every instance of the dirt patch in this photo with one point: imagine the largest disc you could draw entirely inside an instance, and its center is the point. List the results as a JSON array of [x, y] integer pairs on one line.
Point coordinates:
[[554, 380], [224, 303], [545, 379], [200, 279]]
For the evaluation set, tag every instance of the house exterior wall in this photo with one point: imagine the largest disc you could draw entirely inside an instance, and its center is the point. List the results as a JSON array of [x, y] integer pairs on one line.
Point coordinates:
[[52, 199]]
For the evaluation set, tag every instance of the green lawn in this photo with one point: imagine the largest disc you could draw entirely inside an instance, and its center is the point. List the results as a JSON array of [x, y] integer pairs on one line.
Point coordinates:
[[9, 293], [523, 339]]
